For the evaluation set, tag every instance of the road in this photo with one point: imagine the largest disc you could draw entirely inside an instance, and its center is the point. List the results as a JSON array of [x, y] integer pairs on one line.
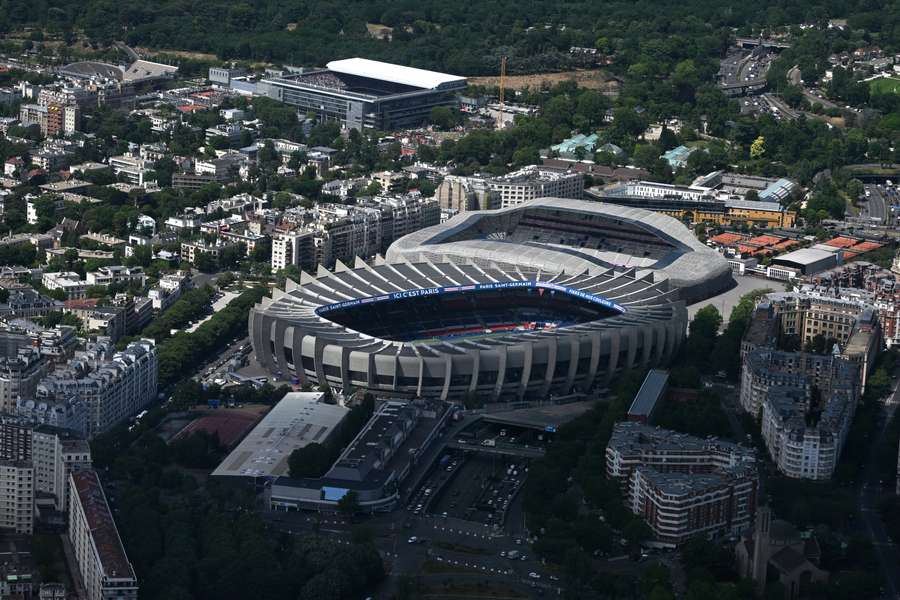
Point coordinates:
[[875, 205], [867, 506]]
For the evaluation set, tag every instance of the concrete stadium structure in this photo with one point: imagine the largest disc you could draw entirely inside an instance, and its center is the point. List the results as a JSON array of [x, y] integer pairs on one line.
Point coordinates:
[[574, 236], [514, 319]]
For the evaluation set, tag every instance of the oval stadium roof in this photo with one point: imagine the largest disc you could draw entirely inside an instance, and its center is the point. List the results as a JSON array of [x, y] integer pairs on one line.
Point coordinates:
[[373, 69], [690, 265]]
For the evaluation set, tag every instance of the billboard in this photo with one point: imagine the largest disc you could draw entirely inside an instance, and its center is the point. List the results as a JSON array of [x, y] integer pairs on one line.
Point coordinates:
[[493, 286]]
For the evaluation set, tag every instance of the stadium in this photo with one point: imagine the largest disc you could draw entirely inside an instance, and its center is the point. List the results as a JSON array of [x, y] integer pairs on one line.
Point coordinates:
[[465, 322], [575, 236], [362, 93]]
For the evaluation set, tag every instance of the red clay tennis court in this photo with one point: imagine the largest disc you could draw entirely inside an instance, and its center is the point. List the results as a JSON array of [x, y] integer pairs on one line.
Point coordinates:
[[231, 426]]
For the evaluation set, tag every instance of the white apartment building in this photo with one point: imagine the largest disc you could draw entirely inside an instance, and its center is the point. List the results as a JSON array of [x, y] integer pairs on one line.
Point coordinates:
[[114, 274], [54, 457], [67, 281], [294, 248], [99, 554], [168, 290], [17, 496], [537, 182], [132, 167]]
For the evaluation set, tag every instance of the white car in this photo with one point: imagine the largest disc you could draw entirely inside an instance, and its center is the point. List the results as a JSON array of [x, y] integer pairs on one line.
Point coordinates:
[[534, 575]]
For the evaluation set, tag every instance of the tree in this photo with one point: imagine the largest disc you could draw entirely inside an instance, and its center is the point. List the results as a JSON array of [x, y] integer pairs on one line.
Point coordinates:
[[313, 460], [442, 117], [758, 147], [349, 503]]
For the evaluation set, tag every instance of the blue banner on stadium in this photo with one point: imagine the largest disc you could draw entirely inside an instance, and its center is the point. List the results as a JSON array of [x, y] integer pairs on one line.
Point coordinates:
[[500, 285]]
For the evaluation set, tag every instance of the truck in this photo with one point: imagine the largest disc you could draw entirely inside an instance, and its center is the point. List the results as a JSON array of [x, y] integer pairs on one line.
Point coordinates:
[[513, 554]]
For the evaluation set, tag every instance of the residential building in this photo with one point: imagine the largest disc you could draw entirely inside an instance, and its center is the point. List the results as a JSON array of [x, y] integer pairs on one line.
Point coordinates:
[[99, 553], [17, 496], [294, 247], [683, 486], [195, 248], [466, 193], [807, 405], [184, 223], [169, 290], [20, 373], [132, 166], [117, 274], [537, 182], [68, 281], [114, 387]]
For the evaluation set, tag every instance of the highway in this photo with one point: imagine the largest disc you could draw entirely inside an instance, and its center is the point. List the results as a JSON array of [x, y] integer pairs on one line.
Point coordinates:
[[867, 506]]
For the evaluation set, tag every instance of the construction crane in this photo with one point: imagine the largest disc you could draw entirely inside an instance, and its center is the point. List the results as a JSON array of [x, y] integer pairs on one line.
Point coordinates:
[[502, 89]]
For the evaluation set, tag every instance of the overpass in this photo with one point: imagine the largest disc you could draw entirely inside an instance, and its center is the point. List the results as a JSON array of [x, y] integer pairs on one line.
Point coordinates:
[[742, 88], [500, 449], [755, 42]]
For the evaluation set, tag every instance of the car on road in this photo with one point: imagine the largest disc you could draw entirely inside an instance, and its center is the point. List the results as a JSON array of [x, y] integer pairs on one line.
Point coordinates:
[[534, 575], [412, 540]]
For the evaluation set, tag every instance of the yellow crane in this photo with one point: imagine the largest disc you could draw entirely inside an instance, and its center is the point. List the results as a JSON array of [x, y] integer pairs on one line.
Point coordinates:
[[502, 89]]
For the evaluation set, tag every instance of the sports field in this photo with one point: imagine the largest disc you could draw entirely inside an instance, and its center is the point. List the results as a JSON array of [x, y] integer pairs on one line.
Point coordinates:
[[885, 85]]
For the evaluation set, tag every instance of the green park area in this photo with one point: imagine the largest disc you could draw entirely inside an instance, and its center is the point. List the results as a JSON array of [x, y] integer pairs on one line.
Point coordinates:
[[885, 85]]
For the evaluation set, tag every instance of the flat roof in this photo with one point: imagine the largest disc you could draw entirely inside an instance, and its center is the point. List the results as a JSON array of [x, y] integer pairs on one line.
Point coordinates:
[[651, 391], [103, 530], [363, 67], [298, 420], [804, 256]]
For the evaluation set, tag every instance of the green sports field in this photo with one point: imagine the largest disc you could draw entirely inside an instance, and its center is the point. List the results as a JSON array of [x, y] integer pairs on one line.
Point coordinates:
[[885, 85]]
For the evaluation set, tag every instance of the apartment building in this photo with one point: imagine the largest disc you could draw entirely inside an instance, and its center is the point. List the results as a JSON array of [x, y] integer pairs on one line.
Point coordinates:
[[19, 376], [806, 405], [295, 247], [69, 282], [683, 486], [17, 496], [190, 251], [113, 387], [537, 182], [116, 274], [99, 554], [461, 194]]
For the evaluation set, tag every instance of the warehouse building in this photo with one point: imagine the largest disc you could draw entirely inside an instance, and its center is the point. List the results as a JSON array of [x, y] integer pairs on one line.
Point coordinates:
[[299, 419]]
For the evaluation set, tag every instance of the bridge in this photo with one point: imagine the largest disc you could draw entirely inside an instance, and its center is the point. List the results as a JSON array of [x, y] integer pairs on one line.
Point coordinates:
[[755, 42], [741, 88], [500, 449]]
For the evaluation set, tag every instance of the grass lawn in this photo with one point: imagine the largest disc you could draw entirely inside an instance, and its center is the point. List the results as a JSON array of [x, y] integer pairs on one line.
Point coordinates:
[[885, 85]]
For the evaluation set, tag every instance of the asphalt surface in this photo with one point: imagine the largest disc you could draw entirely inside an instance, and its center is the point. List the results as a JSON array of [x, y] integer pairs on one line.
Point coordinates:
[[867, 506]]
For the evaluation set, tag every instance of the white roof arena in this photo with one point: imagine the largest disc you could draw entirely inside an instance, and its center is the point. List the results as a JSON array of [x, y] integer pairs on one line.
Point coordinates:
[[373, 69]]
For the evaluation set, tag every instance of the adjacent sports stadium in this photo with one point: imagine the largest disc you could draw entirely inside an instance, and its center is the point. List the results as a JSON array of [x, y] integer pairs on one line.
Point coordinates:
[[362, 93], [505, 325]]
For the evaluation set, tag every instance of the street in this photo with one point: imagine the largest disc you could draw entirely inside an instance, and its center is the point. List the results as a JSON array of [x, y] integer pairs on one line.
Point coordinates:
[[867, 505]]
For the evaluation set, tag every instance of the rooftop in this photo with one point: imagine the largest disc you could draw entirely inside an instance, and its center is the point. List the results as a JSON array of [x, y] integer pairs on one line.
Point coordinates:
[[363, 67], [651, 391], [100, 521], [298, 420]]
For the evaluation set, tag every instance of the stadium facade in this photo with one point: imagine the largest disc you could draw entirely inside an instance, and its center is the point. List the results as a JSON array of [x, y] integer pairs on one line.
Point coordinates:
[[529, 319], [362, 93]]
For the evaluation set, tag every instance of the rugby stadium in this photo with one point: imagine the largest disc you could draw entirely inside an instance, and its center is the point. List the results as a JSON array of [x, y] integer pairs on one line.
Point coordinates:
[[530, 318]]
